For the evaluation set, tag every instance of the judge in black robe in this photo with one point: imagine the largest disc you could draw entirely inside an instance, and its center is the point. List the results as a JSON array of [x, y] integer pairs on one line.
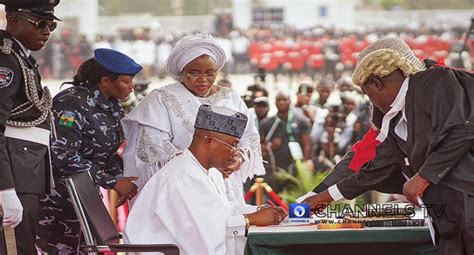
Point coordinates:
[[436, 149]]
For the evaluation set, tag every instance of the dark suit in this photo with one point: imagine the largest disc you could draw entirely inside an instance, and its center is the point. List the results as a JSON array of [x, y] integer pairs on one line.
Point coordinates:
[[439, 107], [440, 148], [381, 174], [24, 165]]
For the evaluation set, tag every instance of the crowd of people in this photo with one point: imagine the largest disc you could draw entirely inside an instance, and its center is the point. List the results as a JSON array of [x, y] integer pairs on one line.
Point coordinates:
[[400, 125], [277, 50], [325, 121]]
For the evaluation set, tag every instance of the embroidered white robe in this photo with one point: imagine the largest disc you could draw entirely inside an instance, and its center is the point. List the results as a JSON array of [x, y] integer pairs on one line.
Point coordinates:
[[186, 205]]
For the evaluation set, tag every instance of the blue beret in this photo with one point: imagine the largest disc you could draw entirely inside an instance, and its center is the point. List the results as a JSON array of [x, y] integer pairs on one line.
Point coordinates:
[[116, 62], [221, 120]]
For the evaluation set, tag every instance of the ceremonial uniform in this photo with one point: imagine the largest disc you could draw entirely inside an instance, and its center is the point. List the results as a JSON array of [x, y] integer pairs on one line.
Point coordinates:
[[88, 135], [23, 162], [13, 102], [25, 110]]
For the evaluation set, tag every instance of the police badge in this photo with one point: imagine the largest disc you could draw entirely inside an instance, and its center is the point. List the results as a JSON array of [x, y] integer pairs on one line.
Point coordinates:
[[6, 77]]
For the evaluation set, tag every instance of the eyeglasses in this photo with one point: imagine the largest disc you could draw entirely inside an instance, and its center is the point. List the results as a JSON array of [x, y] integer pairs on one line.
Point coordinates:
[[232, 147], [41, 24], [195, 76]]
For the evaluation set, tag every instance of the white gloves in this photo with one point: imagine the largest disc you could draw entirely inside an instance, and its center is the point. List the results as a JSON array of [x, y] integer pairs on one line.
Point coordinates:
[[12, 208]]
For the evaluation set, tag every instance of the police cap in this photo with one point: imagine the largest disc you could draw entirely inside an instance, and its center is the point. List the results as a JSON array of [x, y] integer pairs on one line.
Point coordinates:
[[116, 62], [38, 8]]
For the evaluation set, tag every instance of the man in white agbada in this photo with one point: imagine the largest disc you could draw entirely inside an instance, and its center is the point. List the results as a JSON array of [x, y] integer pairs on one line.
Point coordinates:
[[185, 203]]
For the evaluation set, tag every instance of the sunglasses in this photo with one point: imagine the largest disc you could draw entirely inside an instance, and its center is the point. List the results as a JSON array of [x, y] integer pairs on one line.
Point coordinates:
[[41, 24]]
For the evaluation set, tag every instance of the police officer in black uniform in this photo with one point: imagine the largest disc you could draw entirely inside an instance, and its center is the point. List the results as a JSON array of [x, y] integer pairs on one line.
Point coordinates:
[[25, 111], [89, 133]]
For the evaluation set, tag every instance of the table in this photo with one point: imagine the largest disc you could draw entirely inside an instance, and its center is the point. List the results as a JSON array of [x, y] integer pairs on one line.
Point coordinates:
[[308, 239]]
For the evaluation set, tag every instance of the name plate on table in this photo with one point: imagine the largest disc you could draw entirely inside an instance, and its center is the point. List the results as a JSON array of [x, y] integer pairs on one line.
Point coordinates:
[[299, 213]]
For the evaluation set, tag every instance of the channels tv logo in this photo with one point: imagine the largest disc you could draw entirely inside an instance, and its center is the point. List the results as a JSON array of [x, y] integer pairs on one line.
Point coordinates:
[[299, 213]]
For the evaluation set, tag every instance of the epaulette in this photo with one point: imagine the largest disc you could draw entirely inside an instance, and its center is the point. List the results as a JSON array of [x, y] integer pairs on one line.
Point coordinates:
[[7, 46]]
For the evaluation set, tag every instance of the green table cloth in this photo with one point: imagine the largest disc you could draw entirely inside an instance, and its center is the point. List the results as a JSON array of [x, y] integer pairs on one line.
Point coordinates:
[[309, 240]]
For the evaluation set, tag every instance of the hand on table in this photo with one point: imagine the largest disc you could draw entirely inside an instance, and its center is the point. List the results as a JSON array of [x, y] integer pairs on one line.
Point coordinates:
[[267, 216], [319, 201]]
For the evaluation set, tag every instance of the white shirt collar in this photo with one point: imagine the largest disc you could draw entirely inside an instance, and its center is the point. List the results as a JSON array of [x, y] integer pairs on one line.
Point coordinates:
[[397, 106], [191, 155], [399, 102], [23, 48]]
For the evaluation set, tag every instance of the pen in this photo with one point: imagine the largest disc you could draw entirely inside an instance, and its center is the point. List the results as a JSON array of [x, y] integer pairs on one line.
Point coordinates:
[[270, 202]]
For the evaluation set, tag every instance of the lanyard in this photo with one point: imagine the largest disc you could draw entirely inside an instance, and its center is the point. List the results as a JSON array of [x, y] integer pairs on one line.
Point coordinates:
[[289, 131]]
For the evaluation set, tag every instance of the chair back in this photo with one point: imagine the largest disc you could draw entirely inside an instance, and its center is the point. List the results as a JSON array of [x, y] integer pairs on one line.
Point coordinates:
[[95, 220]]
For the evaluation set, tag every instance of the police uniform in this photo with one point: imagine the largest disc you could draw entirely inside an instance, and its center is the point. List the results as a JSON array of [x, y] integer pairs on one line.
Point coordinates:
[[25, 110], [89, 133]]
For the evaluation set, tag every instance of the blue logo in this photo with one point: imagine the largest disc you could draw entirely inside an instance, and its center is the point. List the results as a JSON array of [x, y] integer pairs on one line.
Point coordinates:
[[299, 213]]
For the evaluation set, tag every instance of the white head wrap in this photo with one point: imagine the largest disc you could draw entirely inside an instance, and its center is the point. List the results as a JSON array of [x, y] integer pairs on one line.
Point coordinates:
[[191, 47]]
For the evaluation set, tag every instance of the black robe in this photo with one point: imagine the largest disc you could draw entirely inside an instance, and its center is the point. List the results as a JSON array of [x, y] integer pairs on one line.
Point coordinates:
[[440, 148], [439, 145], [439, 108]]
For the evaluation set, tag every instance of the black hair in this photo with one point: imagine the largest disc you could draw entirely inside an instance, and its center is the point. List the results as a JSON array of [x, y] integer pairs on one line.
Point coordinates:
[[429, 63], [306, 88], [325, 83], [257, 88], [91, 72]]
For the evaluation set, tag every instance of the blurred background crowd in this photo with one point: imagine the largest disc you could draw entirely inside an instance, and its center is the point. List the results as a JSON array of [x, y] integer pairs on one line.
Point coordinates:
[[278, 50]]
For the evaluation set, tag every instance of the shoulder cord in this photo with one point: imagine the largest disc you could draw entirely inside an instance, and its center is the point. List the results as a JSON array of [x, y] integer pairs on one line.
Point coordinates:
[[43, 104]]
